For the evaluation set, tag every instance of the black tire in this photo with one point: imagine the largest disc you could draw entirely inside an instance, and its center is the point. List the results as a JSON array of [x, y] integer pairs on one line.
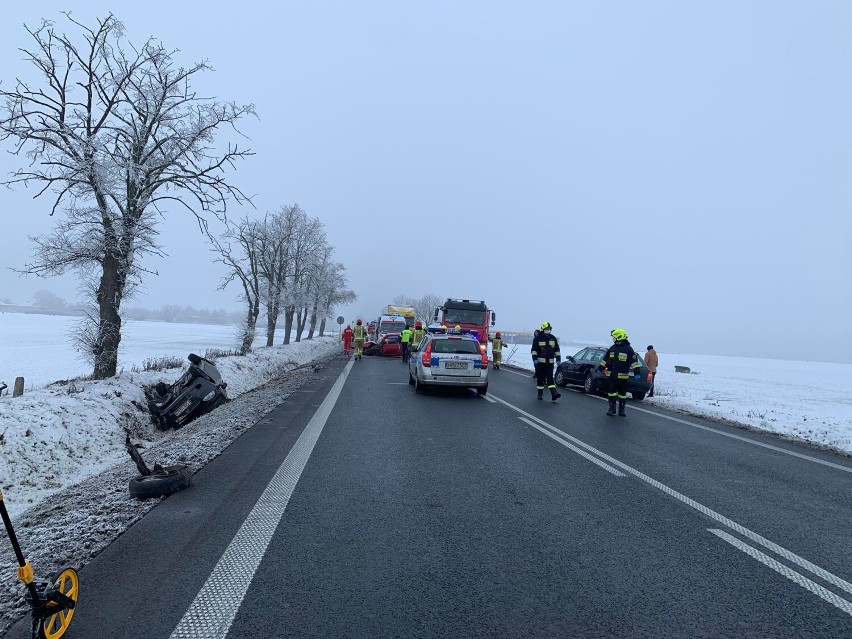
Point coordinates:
[[638, 396], [482, 390], [410, 378], [589, 383], [175, 478], [418, 386], [559, 378], [195, 359]]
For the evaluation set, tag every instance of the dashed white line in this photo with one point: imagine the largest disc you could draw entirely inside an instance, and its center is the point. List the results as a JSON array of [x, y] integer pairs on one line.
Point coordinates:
[[789, 573], [212, 612], [488, 399], [579, 451], [730, 523]]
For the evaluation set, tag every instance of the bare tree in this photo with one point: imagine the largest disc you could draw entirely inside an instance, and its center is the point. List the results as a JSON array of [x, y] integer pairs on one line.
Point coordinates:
[[240, 251], [48, 300], [114, 137], [425, 306]]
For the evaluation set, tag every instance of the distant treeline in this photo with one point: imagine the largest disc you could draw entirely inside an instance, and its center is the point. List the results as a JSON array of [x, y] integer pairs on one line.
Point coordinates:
[[183, 314], [169, 313]]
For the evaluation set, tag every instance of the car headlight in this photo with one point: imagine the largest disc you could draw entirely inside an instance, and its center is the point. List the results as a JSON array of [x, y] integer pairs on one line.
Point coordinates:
[[209, 396]]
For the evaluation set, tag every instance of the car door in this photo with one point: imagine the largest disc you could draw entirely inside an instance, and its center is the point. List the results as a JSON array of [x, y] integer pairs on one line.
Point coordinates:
[[571, 369]]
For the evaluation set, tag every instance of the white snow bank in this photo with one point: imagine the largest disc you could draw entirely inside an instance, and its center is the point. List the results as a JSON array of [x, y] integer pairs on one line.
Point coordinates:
[[57, 436], [810, 401]]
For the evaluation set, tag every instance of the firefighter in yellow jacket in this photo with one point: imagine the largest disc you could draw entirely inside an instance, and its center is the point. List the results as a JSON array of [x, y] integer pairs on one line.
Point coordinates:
[[417, 337], [497, 349], [360, 335]]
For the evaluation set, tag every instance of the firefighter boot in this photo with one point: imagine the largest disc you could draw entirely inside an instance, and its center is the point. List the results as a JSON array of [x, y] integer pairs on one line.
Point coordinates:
[[621, 404], [611, 410], [554, 395], [540, 393]]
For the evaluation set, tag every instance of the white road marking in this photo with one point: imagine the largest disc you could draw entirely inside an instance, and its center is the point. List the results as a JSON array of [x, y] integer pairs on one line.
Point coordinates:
[[398, 384], [579, 451], [781, 569], [816, 460], [487, 398], [212, 612], [509, 370], [745, 532]]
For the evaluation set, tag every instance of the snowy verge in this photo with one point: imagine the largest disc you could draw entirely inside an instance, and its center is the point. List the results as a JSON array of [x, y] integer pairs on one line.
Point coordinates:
[[70, 526], [809, 402], [56, 436]]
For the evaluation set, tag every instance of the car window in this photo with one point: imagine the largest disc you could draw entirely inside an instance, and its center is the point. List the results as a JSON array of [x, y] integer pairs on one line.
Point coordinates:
[[581, 354], [449, 346], [594, 355], [391, 339], [641, 361]]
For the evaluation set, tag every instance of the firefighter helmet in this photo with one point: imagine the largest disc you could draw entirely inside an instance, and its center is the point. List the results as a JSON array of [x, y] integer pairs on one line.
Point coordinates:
[[358, 322], [418, 324], [619, 334], [497, 335], [545, 326]]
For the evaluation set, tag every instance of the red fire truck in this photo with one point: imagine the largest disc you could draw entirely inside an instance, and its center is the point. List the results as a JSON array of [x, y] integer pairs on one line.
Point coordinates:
[[470, 314]]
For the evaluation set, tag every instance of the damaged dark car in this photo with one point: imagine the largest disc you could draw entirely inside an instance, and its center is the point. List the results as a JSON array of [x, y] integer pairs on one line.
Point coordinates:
[[198, 391]]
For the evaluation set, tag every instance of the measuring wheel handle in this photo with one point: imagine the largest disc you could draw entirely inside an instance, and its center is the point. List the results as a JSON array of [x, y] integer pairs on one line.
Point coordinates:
[[53, 602]]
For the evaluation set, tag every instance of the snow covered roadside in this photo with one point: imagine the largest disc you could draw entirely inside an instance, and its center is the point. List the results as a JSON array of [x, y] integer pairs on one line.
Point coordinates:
[[85, 454], [56, 436], [803, 401]]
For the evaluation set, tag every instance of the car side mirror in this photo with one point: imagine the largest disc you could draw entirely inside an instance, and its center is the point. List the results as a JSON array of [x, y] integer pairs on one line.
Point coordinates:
[[570, 358]]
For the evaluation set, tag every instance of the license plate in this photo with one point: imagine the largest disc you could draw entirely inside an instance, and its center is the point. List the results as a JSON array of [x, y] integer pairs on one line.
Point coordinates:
[[456, 364]]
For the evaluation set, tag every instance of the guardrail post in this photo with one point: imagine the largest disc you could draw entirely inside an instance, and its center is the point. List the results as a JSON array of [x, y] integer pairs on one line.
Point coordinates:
[[19, 387]]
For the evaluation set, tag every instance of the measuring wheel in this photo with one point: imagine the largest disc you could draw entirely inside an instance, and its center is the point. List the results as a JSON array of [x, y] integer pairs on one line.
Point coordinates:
[[66, 583]]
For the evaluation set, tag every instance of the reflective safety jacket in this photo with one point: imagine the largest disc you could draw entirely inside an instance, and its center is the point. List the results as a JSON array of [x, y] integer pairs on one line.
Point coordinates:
[[497, 344], [545, 348], [620, 359], [418, 336], [405, 336], [360, 333]]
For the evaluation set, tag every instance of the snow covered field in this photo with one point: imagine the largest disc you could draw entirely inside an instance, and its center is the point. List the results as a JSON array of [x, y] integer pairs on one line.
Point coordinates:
[[59, 434], [38, 347], [811, 401]]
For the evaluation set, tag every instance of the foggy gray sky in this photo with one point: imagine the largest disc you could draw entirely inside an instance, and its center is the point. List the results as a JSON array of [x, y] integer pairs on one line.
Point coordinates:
[[681, 170]]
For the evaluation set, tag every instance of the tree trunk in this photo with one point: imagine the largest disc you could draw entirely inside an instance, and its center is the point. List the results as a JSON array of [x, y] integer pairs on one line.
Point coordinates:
[[313, 321], [322, 327], [271, 322], [301, 320], [110, 290], [250, 327], [288, 323]]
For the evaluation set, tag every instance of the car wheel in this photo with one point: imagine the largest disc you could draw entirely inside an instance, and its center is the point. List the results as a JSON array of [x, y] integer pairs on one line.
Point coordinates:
[[482, 390], [638, 396], [589, 383], [559, 378], [173, 479], [410, 378], [419, 387]]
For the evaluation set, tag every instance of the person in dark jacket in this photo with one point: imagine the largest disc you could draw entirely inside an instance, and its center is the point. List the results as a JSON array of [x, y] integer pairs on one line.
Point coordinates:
[[545, 353], [536, 333], [621, 361]]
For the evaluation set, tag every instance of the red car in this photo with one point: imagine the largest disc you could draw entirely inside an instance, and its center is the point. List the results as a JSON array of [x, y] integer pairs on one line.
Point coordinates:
[[389, 346]]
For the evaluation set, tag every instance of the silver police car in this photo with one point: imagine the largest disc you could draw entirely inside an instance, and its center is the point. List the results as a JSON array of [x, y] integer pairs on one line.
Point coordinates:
[[449, 358]]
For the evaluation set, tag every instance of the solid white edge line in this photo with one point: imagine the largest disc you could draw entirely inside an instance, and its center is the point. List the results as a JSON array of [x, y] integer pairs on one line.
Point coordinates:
[[745, 532], [488, 399], [215, 606], [778, 449], [580, 452], [816, 460], [781, 569]]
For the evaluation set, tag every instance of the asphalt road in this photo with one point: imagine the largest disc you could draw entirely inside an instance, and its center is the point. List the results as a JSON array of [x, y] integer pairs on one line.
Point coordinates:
[[452, 515]]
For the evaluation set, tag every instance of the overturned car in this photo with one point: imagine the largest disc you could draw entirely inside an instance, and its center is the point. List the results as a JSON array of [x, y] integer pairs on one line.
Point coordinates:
[[198, 391]]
